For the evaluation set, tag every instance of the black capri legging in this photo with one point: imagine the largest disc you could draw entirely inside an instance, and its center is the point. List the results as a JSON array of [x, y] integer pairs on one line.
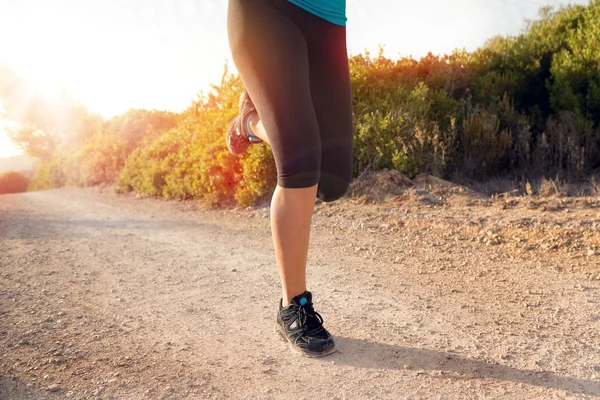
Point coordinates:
[[294, 66]]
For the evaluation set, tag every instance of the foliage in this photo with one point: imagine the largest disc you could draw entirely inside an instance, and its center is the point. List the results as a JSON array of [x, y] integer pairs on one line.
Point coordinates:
[[523, 106], [411, 130], [49, 174], [42, 124], [13, 182], [192, 161], [104, 147]]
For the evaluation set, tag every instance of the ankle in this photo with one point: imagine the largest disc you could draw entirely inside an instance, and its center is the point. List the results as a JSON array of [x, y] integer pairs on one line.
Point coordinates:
[[285, 301], [288, 297], [251, 128], [248, 126]]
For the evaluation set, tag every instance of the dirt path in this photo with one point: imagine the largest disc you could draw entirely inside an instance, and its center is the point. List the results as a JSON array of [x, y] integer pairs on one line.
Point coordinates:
[[106, 296]]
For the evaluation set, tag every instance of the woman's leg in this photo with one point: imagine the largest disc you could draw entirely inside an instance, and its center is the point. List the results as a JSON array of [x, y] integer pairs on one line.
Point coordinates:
[[291, 214], [332, 101], [271, 56], [258, 129], [332, 98]]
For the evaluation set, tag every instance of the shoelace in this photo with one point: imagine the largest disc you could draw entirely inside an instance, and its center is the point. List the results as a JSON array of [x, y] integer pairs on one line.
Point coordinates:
[[307, 313]]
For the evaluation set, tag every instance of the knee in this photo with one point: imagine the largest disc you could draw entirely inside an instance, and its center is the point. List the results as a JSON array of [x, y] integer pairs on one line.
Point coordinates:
[[332, 187], [298, 180]]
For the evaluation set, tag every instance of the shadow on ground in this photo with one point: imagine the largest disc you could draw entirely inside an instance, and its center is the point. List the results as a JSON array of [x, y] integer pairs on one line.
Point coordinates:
[[365, 354]]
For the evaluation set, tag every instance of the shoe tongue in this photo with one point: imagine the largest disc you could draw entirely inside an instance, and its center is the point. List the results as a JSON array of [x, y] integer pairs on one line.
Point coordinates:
[[313, 324], [302, 299]]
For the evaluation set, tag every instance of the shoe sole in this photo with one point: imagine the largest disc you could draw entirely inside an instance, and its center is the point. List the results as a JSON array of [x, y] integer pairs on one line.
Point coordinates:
[[297, 350]]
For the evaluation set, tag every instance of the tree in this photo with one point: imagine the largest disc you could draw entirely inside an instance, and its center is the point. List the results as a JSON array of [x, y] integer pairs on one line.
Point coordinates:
[[43, 124]]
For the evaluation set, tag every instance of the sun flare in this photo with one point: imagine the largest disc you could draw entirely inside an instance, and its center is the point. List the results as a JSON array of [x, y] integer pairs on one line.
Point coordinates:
[[7, 148], [45, 82]]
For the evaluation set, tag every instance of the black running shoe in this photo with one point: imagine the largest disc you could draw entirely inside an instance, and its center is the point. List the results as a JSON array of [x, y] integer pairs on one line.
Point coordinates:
[[302, 327], [239, 137]]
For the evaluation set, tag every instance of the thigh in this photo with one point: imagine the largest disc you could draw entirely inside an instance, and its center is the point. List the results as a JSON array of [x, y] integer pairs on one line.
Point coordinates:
[[271, 56], [332, 99]]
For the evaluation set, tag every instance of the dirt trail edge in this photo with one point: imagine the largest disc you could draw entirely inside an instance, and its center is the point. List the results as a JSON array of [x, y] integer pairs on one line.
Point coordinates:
[[106, 296]]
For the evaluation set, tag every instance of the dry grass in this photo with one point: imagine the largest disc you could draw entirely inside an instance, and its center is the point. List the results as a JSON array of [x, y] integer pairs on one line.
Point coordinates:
[[594, 187], [543, 187]]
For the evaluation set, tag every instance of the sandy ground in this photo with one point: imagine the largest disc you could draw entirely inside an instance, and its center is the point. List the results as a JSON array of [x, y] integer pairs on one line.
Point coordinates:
[[111, 297]]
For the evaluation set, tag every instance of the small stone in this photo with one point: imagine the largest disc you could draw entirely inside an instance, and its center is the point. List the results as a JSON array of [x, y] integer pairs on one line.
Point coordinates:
[[269, 371], [53, 388], [591, 252]]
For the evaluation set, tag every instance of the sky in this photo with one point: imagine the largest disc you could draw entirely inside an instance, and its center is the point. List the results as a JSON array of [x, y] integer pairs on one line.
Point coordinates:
[[112, 55]]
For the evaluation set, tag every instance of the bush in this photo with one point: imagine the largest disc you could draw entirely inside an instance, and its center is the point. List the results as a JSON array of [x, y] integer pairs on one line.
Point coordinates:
[[50, 174], [13, 182], [411, 129], [522, 106], [192, 161]]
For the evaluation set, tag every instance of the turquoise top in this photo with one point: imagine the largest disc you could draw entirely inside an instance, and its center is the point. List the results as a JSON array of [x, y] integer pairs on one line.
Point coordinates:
[[333, 11]]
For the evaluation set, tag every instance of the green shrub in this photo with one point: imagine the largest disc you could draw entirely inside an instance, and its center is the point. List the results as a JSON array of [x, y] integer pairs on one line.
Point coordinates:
[[521, 106], [50, 174], [411, 130], [483, 144], [192, 161], [259, 175]]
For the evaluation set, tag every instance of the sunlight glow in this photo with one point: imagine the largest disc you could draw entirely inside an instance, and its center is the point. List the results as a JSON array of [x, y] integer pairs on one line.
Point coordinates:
[[44, 80], [147, 59], [7, 148], [112, 55]]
